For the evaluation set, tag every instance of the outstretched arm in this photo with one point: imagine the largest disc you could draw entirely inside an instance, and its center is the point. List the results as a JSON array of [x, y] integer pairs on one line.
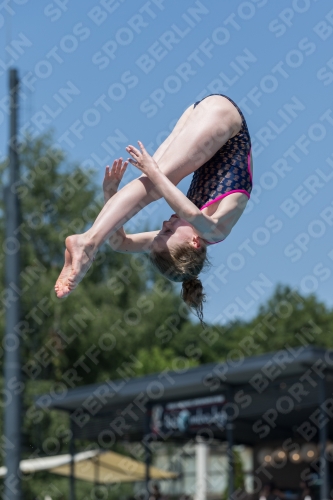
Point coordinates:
[[132, 243], [204, 224]]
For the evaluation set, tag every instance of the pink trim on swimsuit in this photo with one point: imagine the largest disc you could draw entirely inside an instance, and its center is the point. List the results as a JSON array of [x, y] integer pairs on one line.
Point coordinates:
[[224, 195], [249, 165], [220, 198]]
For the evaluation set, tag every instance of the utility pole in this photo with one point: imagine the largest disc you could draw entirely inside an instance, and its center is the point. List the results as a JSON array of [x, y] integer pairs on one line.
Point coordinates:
[[12, 361]]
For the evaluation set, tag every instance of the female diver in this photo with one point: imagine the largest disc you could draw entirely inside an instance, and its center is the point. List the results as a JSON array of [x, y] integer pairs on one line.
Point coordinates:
[[211, 140]]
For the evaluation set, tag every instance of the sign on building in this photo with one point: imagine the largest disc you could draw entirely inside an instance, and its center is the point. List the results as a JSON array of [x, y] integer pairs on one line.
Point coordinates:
[[187, 417]]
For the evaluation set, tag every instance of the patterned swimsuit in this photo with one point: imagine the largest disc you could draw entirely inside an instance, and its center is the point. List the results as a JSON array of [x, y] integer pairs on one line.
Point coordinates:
[[227, 172]]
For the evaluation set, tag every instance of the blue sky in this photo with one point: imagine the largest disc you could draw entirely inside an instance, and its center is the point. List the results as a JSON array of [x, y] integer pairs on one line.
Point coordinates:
[[105, 74]]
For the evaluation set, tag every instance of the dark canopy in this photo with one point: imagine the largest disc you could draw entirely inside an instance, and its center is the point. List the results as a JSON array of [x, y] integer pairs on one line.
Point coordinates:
[[267, 397]]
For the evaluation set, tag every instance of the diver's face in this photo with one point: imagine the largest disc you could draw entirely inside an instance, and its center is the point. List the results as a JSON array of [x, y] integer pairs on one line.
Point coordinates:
[[175, 232]]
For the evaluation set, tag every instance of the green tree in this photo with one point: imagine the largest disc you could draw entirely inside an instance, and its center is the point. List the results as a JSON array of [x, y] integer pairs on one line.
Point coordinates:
[[287, 319]]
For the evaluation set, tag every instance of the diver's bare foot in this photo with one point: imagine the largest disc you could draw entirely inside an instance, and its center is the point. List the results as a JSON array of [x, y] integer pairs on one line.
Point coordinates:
[[82, 258], [61, 286]]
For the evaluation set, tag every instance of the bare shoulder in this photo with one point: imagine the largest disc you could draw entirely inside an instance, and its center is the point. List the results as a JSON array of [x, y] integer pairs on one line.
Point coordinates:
[[234, 201], [226, 215], [231, 208]]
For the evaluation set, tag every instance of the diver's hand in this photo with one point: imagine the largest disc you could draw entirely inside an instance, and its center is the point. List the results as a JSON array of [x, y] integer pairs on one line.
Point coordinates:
[[113, 177], [142, 160]]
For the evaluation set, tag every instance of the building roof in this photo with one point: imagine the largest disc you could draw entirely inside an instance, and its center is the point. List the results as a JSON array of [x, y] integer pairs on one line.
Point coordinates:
[[284, 383]]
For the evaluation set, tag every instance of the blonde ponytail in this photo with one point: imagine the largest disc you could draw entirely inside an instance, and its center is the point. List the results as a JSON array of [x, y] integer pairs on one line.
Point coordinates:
[[194, 296]]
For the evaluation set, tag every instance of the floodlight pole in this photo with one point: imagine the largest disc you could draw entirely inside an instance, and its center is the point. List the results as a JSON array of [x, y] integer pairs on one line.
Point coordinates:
[[230, 439], [72, 465], [147, 450], [12, 360], [323, 436]]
